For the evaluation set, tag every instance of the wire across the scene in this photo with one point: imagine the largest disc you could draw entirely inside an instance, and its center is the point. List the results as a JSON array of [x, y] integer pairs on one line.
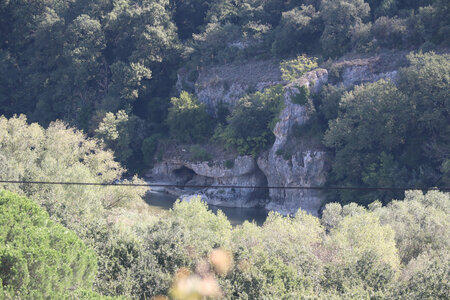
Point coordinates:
[[182, 186]]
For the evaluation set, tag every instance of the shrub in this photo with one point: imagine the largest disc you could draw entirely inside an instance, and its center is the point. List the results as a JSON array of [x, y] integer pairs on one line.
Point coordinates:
[[199, 154], [302, 97], [193, 75], [389, 32], [249, 128], [149, 147], [295, 68], [188, 120], [229, 164], [38, 257]]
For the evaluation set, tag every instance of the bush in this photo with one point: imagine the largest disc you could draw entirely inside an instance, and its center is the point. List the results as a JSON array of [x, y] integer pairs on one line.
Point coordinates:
[[193, 75], [302, 97], [38, 257], [199, 154], [188, 120], [389, 32], [149, 147], [249, 128], [295, 68], [229, 164]]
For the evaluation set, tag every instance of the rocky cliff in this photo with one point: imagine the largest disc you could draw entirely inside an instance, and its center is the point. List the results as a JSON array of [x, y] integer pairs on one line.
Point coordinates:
[[226, 84], [291, 161], [242, 171], [300, 165]]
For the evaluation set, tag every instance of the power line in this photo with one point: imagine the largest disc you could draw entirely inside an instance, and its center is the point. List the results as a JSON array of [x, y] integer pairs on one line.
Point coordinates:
[[227, 186]]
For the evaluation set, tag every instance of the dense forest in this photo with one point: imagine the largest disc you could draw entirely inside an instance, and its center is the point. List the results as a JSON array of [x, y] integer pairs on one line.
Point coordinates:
[[88, 94]]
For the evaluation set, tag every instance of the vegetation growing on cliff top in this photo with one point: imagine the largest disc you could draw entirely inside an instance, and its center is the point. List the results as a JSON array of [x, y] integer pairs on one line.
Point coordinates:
[[250, 125]]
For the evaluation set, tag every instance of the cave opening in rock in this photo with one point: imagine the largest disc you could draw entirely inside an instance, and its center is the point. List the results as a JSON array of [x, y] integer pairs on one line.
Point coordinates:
[[183, 175]]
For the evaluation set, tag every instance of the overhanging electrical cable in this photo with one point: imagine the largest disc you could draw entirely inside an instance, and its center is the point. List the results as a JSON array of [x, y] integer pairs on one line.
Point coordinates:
[[446, 189]]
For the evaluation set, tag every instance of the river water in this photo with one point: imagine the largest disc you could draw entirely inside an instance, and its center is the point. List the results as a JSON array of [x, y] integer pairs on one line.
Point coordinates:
[[160, 200]]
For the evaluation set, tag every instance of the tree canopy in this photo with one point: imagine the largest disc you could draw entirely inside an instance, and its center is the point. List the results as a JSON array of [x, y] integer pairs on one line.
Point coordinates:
[[40, 258]]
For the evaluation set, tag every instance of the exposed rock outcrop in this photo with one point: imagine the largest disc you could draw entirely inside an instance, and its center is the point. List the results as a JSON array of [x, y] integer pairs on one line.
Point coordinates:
[[291, 161], [226, 84], [295, 113], [357, 70], [303, 166], [360, 74], [242, 171]]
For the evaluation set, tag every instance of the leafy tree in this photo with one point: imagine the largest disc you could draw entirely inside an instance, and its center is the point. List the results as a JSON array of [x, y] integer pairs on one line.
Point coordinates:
[[373, 118], [189, 16], [299, 30], [424, 83], [188, 120], [327, 102], [115, 131], [295, 68], [250, 125], [59, 153], [39, 258], [149, 147], [429, 282], [359, 234], [203, 229], [340, 18], [420, 223], [390, 32]]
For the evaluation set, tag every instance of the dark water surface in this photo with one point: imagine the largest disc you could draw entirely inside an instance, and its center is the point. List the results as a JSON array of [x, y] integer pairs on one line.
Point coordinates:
[[236, 215]]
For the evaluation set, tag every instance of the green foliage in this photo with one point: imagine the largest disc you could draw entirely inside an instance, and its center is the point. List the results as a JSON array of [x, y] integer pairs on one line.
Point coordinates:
[[203, 229], [149, 147], [431, 282], [390, 32], [341, 18], [302, 96], [297, 26], [250, 124], [79, 59], [327, 102], [75, 61], [229, 164], [114, 130], [39, 258], [362, 233], [420, 222], [188, 120], [381, 128], [198, 153], [295, 68], [59, 153]]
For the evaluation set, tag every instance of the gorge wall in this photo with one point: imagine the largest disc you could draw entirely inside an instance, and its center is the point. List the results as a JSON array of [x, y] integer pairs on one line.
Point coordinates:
[[289, 162]]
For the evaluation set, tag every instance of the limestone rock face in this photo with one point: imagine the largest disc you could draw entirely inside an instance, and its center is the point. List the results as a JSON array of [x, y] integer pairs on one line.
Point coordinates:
[[363, 69], [360, 74], [301, 169], [291, 161], [295, 113], [226, 84], [302, 165], [243, 172]]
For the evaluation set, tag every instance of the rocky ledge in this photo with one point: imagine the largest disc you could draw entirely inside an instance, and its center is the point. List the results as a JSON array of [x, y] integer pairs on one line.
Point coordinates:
[[242, 171]]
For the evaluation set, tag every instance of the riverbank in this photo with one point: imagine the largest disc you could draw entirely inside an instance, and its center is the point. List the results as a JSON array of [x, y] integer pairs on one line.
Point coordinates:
[[162, 199]]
